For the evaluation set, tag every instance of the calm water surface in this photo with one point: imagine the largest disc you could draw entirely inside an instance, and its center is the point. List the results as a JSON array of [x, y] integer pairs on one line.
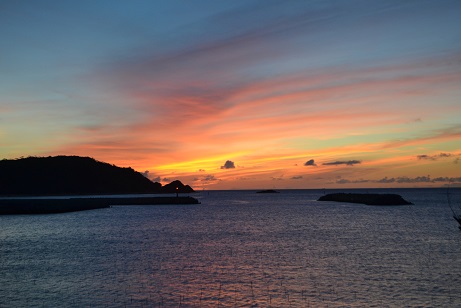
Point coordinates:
[[237, 249]]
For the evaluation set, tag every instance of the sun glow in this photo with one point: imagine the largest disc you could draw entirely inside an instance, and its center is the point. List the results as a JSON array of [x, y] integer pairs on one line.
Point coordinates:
[[232, 103]]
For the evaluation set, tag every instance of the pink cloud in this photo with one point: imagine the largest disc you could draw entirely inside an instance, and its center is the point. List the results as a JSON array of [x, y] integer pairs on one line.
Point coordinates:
[[202, 117]]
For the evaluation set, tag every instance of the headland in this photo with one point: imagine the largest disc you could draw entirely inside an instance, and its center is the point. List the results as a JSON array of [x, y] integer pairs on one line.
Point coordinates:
[[32, 180]]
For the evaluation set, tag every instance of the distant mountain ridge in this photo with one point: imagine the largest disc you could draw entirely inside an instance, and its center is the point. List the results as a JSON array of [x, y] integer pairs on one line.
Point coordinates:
[[75, 175]]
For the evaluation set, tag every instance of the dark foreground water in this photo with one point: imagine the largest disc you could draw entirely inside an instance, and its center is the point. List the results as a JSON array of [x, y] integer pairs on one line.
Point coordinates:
[[237, 249]]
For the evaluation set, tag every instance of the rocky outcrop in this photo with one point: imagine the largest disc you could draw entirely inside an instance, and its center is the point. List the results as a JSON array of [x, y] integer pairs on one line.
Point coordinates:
[[176, 187]]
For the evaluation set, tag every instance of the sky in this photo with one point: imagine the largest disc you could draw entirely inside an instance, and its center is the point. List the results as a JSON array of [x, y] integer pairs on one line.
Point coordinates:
[[238, 94]]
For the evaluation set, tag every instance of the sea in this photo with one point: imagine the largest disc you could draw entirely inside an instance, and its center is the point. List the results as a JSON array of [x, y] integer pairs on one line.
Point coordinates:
[[238, 249]]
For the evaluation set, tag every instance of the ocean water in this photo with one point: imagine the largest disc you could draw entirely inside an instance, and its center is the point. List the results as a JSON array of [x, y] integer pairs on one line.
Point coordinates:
[[238, 249]]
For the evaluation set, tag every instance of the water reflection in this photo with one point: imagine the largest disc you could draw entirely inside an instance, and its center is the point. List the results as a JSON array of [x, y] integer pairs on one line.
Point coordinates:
[[261, 254]]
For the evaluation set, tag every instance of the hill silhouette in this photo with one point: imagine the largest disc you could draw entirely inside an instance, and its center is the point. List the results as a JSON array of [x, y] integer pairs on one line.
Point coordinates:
[[75, 175], [176, 186]]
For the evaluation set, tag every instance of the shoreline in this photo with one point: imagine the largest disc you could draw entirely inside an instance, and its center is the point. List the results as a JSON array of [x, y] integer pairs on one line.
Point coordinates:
[[73, 204]]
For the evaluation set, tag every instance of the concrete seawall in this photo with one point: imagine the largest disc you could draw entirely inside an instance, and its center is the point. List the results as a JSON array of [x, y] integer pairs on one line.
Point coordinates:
[[368, 199], [63, 205]]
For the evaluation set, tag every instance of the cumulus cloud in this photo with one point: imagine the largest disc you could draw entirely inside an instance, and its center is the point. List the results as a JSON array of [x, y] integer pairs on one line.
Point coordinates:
[[310, 162], [298, 177], [341, 162], [228, 165]]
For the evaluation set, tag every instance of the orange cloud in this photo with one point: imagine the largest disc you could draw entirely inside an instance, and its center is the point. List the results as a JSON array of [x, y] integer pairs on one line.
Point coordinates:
[[269, 126]]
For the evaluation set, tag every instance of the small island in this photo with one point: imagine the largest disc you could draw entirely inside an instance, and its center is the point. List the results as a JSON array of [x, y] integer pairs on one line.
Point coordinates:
[[267, 191], [368, 199], [27, 183]]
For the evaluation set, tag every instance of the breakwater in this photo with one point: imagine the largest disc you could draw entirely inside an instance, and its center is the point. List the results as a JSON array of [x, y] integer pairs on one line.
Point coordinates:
[[63, 205], [368, 199]]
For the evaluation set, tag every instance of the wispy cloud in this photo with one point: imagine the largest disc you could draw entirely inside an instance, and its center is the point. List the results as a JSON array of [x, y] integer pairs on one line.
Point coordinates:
[[403, 180], [207, 179], [156, 179], [262, 82], [346, 181], [452, 132], [340, 162], [434, 157]]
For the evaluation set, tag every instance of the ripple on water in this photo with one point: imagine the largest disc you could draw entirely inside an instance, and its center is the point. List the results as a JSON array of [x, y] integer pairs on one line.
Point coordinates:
[[235, 249]]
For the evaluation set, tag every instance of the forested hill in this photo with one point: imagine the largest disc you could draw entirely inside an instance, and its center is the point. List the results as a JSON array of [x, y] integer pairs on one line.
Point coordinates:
[[61, 175]]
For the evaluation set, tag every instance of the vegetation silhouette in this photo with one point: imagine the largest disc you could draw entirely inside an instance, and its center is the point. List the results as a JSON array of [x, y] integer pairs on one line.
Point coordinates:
[[75, 175]]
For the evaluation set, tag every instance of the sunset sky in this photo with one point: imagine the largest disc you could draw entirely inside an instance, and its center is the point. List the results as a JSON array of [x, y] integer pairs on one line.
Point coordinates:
[[238, 94]]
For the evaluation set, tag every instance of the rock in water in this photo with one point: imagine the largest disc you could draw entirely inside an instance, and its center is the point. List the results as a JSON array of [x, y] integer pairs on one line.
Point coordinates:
[[267, 191]]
